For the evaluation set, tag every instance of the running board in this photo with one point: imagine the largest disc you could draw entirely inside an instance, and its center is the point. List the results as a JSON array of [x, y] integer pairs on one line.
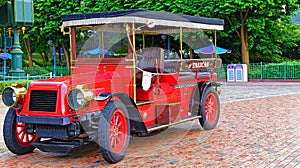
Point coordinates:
[[168, 125]]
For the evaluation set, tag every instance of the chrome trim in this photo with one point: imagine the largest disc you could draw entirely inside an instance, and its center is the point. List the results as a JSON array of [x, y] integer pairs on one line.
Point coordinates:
[[185, 85], [102, 96]]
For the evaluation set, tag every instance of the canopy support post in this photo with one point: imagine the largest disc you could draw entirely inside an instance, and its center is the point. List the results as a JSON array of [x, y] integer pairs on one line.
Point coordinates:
[[181, 51], [134, 63], [144, 41], [215, 53], [102, 42], [169, 47]]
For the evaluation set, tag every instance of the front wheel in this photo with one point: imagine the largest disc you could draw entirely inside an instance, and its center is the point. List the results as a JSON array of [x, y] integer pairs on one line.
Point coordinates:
[[210, 109], [16, 139], [114, 132]]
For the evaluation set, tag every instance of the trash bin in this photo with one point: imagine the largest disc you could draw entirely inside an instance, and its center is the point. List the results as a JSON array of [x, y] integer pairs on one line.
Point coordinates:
[[241, 74], [231, 73], [237, 73]]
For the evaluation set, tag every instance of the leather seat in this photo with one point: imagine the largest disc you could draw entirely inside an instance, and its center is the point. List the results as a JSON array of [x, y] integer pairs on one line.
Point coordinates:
[[152, 60]]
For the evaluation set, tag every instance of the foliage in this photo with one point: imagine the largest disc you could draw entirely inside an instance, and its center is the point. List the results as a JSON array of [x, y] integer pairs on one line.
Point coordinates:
[[268, 30], [47, 19], [2, 2], [4, 84], [267, 23], [34, 71], [41, 63]]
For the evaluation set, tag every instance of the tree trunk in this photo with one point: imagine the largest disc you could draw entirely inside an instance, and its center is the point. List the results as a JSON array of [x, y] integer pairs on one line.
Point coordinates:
[[244, 46], [59, 53], [59, 57], [42, 55], [67, 55], [46, 54], [29, 52], [244, 39]]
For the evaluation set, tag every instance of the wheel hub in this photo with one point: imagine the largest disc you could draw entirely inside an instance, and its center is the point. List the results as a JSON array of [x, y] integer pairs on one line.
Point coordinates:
[[210, 109], [210, 106], [116, 130]]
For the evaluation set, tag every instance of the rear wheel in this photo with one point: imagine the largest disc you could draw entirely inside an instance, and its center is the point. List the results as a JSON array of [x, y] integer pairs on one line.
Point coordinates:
[[114, 132], [210, 109], [16, 139]]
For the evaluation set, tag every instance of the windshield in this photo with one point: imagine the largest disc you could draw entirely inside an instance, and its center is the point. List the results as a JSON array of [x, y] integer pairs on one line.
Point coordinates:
[[102, 41], [118, 40]]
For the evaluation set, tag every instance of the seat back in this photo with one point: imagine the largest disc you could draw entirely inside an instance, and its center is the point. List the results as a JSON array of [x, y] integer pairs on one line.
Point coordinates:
[[151, 58]]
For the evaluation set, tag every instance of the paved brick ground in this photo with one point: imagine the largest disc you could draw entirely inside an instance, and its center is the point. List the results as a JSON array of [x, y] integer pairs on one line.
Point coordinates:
[[252, 132], [3, 110]]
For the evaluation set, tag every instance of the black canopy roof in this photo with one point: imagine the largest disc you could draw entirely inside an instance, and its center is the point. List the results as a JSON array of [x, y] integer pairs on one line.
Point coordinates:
[[142, 16], [145, 14]]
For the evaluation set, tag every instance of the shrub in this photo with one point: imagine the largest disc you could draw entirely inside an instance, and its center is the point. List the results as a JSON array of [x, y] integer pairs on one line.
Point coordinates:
[[4, 84]]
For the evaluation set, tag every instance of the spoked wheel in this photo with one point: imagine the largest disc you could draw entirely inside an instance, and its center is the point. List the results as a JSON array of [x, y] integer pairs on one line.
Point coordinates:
[[210, 109], [114, 131], [16, 139]]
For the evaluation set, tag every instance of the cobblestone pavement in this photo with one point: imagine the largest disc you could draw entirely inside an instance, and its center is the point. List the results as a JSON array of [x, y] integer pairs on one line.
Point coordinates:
[[259, 127]]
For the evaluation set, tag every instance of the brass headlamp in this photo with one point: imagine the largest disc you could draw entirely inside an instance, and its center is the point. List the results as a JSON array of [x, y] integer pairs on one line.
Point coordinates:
[[12, 95], [79, 97]]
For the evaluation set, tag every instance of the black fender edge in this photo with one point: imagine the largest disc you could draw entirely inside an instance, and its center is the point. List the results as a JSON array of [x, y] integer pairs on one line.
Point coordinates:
[[204, 85], [136, 121]]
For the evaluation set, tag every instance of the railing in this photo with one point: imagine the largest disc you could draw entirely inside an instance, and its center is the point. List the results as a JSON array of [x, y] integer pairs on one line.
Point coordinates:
[[222, 72], [25, 80], [285, 70], [275, 71], [60, 71], [31, 74]]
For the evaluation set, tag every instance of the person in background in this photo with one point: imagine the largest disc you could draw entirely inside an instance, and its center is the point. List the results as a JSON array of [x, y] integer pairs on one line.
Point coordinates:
[[174, 54]]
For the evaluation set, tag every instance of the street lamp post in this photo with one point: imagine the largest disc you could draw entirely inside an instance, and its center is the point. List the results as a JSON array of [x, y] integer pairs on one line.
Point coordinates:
[[14, 14], [16, 55], [54, 59]]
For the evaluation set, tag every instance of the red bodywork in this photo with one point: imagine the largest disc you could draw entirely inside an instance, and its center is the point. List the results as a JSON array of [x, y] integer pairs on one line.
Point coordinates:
[[115, 75]]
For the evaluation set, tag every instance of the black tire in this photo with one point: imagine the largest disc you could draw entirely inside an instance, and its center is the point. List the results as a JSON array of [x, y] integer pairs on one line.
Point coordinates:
[[195, 103], [114, 131], [18, 142], [210, 109]]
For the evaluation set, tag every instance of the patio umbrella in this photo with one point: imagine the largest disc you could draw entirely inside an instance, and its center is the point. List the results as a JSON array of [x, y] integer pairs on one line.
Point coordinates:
[[211, 48], [5, 56], [98, 50]]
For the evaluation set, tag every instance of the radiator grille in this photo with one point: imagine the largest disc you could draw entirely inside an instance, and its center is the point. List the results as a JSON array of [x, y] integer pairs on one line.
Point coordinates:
[[41, 100]]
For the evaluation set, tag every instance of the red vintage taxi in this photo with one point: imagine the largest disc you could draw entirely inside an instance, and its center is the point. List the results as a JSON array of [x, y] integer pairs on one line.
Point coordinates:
[[134, 72]]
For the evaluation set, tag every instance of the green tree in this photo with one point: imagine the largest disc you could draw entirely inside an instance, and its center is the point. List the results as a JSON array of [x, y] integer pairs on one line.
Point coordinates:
[[2, 2], [47, 18], [256, 26], [103, 5], [47, 24], [257, 23]]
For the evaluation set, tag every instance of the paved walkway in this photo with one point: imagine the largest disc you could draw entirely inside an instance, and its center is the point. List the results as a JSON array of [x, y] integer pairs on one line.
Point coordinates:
[[3, 110], [259, 127]]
